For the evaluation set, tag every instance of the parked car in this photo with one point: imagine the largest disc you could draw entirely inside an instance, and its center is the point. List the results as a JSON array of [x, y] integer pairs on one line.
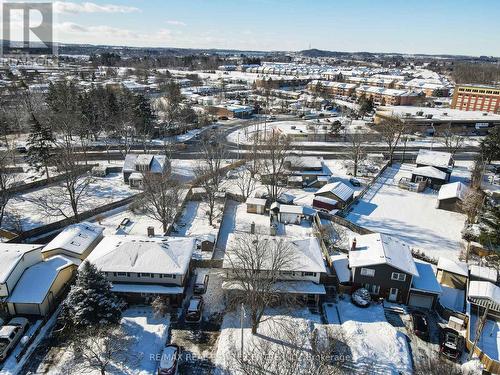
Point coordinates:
[[194, 310], [201, 282], [169, 361], [10, 335], [354, 182], [21, 149], [361, 298], [451, 344], [420, 325]]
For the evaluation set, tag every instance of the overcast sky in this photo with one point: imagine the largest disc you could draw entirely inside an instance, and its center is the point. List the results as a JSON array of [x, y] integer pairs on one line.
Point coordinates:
[[470, 27]]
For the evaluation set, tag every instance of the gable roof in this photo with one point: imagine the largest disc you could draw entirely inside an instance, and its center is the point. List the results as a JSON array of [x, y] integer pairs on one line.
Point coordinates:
[[453, 190], [166, 255], [426, 280], [434, 158], [75, 238], [10, 255], [431, 172], [305, 252], [379, 248], [452, 266], [339, 189]]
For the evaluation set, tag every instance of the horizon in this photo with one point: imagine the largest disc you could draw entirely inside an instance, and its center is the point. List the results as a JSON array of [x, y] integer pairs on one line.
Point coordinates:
[[408, 28]]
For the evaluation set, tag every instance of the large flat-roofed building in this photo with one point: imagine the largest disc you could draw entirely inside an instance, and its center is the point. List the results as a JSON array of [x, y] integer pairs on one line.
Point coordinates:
[[476, 98], [383, 96]]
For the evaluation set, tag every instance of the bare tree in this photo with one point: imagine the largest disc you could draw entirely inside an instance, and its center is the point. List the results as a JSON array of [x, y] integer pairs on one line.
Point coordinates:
[[452, 140], [66, 198], [256, 264], [7, 181], [471, 206], [334, 236], [391, 130], [289, 350], [357, 151], [276, 149], [245, 182], [101, 348], [209, 170], [160, 306], [160, 198]]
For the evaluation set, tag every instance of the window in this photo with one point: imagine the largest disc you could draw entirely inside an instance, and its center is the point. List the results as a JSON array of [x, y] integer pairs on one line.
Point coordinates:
[[145, 274], [121, 274], [367, 272], [398, 276], [308, 273], [373, 289]]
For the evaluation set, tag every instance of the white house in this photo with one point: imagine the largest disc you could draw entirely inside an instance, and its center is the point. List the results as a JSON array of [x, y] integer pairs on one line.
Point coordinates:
[[301, 277], [75, 241], [40, 286], [141, 268], [14, 260], [136, 164]]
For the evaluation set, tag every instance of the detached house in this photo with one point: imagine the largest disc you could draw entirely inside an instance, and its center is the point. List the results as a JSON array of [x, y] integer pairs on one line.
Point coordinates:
[[337, 191], [136, 165], [435, 166], [142, 268]]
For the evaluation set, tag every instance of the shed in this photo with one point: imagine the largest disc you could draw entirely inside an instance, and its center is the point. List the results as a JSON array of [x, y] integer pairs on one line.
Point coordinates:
[[324, 203], [451, 195], [338, 191], [451, 273], [256, 205]]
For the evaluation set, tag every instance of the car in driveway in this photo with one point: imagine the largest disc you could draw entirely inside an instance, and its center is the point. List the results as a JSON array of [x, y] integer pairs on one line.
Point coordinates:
[[169, 361], [354, 182], [420, 325], [10, 335], [361, 298], [194, 310], [201, 282], [451, 344]]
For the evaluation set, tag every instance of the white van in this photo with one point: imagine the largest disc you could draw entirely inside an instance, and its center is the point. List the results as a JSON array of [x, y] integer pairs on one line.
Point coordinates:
[[201, 282]]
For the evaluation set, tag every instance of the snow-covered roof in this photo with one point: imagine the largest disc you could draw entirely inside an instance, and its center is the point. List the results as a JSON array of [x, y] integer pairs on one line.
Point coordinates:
[[10, 255], [291, 209], [75, 238], [429, 172], [434, 158], [484, 290], [453, 190], [341, 265], [426, 280], [339, 189], [156, 163], [146, 288], [485, 273], [379, 248], [320, 198], [256, 201], [305, 252], [166, 255], [293, 287], [35, 283], [452, 266]]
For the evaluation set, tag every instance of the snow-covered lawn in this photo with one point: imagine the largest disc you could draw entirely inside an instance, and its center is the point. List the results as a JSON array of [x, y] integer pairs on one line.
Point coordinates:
[[149, 335], [410, 216], [100, 192], [375, 345], [274, 331]]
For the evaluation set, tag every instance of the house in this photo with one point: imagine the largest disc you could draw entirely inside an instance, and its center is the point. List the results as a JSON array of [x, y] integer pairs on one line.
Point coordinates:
[[325, 203], [383, 265], [305, 163], [256, 205], [141, 268], [319, 182], [40, 287], [437, 159], [286, 213], [299, 277], [14, 260], [338, 191], [451, 195], [425, 289], [431, 175], [138, 164], [75, 241]]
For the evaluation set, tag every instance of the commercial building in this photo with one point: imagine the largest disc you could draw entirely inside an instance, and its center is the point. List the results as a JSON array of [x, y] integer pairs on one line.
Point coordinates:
[[476, 98]]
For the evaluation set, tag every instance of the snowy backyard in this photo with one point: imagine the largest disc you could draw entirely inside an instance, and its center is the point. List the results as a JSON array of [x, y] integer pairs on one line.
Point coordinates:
[[410, 216]]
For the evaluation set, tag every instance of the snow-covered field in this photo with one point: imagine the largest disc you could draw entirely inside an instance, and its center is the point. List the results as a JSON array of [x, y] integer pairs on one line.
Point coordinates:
[[101, 191], [375, 345], [410, 216], [149, 334]]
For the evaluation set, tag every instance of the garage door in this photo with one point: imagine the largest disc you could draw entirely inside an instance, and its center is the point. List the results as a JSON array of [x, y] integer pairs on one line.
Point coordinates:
[[418, 300]]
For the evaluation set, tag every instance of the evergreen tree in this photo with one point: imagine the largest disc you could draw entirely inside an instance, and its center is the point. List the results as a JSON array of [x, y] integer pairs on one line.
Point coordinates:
[[90, 302], [40, 144], [490, 145], [490, 226]]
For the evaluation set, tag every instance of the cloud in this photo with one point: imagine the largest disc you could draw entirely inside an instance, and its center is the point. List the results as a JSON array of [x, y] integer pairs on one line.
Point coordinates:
[[87, 7], [176, 23], [103, 31]]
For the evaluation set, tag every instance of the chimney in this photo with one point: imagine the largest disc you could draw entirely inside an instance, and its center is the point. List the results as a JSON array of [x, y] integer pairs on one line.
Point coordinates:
[[353, 247], [151, 231], [252, 228]]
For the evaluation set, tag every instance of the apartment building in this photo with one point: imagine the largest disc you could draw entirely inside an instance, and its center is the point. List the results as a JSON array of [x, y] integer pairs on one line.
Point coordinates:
[[476, 98], [383, 96], [332, 88]]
